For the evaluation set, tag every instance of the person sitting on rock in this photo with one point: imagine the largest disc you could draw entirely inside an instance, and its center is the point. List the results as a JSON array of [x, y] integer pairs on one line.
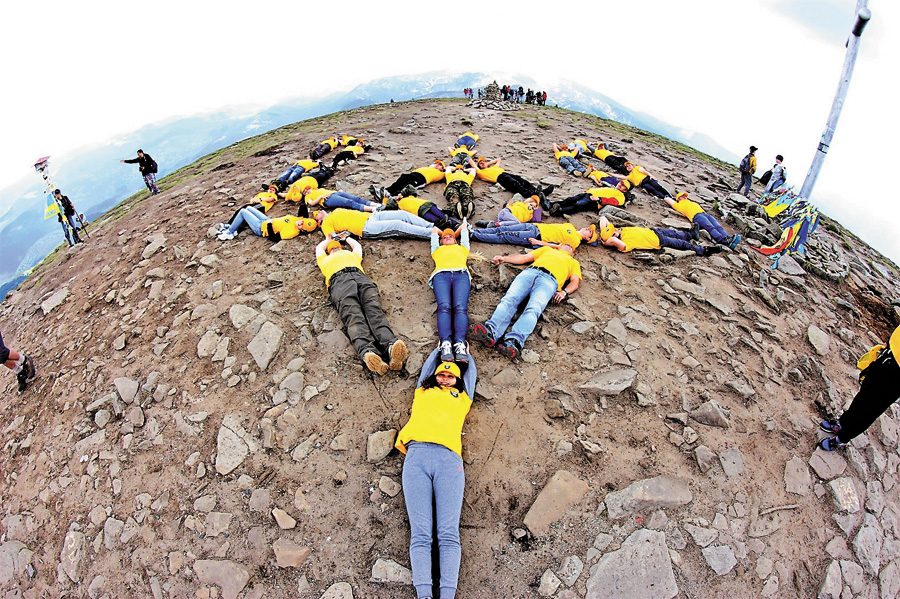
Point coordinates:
[[467, 140], [639, 177], [537, 234], [374, 225], [416, 179], [516, 211], [424, 209], [21, 365], [553, 275], [458, 191], [879, 387], [490, 171], [566, 159], [642, 238], [617, 163], [274, 229], [349, 153], [451, 283], [433, 477], [356, 299], [694, 212], [594, 198], [323, 148]]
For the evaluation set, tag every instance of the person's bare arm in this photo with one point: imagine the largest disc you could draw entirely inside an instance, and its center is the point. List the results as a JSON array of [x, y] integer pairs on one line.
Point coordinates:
[[570, 288], [320, 249], [355, 246], [616, 243], [514, 259]]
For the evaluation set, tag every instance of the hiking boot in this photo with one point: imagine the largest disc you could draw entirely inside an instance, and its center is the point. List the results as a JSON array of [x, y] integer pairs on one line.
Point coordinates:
[[377, 193], [22, 382], [29, 370], [461, 351], [830, 426], [374, 363], [482, 335], [509, 348], [831, 443], [446, 351], [555, 209], [548, 190], [695, 231], [225, 236], [409, 190], [709, 251], [735, 240], [483, 224], [398, 353]]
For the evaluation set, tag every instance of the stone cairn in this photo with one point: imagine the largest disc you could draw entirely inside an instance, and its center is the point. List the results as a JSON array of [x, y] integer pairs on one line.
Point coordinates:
[[493, 99]]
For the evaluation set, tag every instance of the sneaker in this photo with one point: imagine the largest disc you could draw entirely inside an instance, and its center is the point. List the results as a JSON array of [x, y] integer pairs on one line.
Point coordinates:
[[735, 240], [555, 209], [461, 351], [830, 426], [509, 348], [398, 353], [378, 208], [22, 382], [225, 236], [695, 231], [480, 333], [376, 192], [831, 443], [590, 169], [374, 363], [446, 351], [222, 227], [483, 224]]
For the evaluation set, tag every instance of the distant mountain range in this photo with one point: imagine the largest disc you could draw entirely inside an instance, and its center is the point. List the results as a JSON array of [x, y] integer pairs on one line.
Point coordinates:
[[96, 181]]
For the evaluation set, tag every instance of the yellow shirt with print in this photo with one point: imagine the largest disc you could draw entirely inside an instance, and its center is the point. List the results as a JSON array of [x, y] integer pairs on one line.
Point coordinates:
[[639, 238], [559, 263], [337, 260], [432, 175], [283, 226], [560, 153], [608, 193], [266, 199], [437, 417], [450, 257], [459, 176], [560, 233], [344, 219], [688, 208], [522, 211]]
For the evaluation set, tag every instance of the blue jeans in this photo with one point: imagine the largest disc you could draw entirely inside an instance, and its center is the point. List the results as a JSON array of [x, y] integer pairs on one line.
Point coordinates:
[[292, 174], [342, 199], [250, 215], [516, 234], [679, 240], [466, 141], [433, 473], [571, 165], [712, 226], [396, 223], [532, 284], [451, 290], [746, 182]]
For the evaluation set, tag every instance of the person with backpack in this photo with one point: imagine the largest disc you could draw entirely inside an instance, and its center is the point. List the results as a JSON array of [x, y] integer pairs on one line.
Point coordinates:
[[879, 387], [778, 176], [747, 168], [148, 168], [66, 217]]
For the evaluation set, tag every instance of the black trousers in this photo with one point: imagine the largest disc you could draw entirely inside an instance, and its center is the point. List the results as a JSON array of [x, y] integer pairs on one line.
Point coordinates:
[[616, 163], [878, 390], [517, 184], [319, 151], [414, 179], [356, 299]]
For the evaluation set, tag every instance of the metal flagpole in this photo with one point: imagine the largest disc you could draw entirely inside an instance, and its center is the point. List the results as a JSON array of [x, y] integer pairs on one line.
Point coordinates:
[[862, 18]]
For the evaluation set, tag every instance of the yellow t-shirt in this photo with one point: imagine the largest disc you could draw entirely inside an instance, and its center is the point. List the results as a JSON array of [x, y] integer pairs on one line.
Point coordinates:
[[562, 265], [467, 134], [432, 175], [285, 226], [639, 238], [582, 143], [522, 211], [560, 233], [636, 176], [608, 193], [459, 176], [410, 204], [337, 260], [331, 141], [307, 164], [295, 191], [344, 219], [437, 417], [894, 344], [561, 153], [266, 199], [450, 257], [489, 174], [317, 196], [462, 150], [346, 139], [688, 208], [602, 153], [357, 150]]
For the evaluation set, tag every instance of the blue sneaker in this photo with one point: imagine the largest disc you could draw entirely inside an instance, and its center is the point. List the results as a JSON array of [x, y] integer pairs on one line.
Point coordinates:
[[830, 426], [735, 240], [831, 443]]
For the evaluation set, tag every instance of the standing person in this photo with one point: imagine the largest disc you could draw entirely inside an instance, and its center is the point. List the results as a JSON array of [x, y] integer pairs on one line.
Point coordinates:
[[21, 364], [747, 168], [879, 388], [451, 283], [433, 476], [779, 175], [66, 215], [544, 99], [148, 168], [553, 275], [356, 299]]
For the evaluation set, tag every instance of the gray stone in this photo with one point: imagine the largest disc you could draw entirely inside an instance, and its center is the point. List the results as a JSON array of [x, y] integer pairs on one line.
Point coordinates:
[[710, 414], [797, 479], [206, 503], [844, 494], [96, 586], [54, 301], [339, 590], [293, 382], [732, 461], [686, 287], [609, 383], [853, 575], [15, 559], [217, 523], [207, 344], [72, 553], [386, 570], [867, 545], [156, 243], [833, 583], [827, 464], [561, 492], [720, 558], [260, 500], [889, 580], [819, 340], [570, 570], [379, 445], [706, 458], [231, 450], [389, 487], [127, 388], [648, 494], [302, 450], [640, 569], [229, 576], [702, 536], [241, 315], [284, 520], [617, 330], [265, 345], [549, 584], [289, 554], [789, 266]]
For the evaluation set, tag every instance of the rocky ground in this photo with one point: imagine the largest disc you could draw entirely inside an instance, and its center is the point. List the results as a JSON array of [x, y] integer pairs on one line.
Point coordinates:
[[201, 428]]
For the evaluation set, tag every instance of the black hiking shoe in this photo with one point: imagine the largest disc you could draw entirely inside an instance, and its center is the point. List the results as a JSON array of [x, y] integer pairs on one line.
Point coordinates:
[[710, 250], [695, 231], [555, 209], [548, 190], [509, 348], [482, 335]]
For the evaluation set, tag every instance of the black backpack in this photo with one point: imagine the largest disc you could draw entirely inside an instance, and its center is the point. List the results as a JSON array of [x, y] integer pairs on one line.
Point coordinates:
[[154, 168]]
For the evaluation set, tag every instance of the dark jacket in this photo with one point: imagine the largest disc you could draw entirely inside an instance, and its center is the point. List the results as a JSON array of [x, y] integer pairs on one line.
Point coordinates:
[[146, 163], [66, 204]]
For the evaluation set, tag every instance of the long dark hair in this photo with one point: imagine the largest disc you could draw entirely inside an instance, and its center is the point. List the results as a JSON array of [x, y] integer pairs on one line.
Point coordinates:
[[431, 383]]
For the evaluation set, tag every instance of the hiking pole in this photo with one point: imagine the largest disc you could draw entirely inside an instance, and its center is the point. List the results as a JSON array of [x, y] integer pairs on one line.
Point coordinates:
[[84, 224]]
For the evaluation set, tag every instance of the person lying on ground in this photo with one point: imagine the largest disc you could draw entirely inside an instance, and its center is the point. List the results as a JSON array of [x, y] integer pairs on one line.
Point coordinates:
[[516, 211], [553, 275], [593, 199], [566, 159], [467, 140], [349, 153], [537, 234], [642, 238], [373, 225], [323, 148], [416, 179], [274, 229], [293, 172], [461, 155], [327, 198], [701, 220], [458, 191], [356, 299], [263, 201], [451, 283], [638, 176], [424, 209], [490, 171], [617, 163]]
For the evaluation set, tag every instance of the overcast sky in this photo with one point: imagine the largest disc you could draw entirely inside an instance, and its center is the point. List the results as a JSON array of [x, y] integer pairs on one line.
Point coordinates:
[[756, 72]]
